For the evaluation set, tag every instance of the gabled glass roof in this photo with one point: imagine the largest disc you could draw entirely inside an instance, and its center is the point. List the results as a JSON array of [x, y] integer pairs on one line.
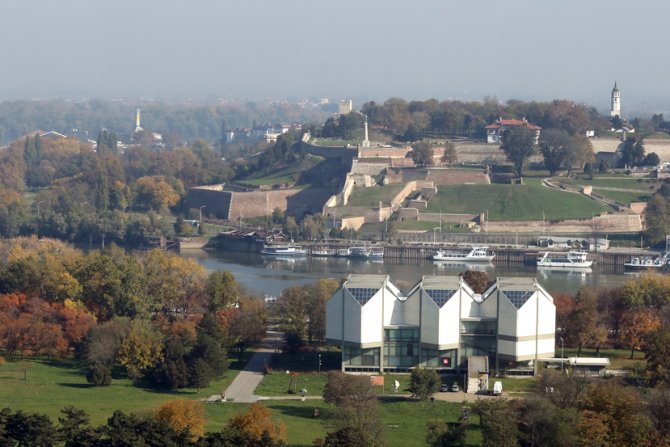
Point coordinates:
[[518, 297], [362, 294], [440, 297]]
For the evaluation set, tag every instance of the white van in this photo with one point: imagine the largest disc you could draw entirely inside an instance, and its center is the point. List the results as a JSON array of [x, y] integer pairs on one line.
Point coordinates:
[[497, 388]]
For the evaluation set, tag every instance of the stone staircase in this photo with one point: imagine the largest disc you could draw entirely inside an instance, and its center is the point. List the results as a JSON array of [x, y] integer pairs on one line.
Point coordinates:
[[478, 374]]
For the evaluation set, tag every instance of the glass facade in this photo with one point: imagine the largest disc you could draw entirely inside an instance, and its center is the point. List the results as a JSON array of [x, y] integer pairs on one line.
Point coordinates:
[[352, 356], [479, 327], [432, 358], [401, 347]]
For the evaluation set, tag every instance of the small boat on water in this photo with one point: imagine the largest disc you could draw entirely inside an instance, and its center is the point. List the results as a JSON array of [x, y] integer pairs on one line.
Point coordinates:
[[569, 260], [646, 262], [473, 254], [362, 252], [283, 250]]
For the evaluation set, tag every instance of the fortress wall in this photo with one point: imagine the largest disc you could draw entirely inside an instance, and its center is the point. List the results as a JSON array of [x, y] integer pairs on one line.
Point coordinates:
[[217, 202]]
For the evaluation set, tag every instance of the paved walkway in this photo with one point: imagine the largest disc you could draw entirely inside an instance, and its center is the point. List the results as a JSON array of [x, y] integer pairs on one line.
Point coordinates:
[[242, 388]]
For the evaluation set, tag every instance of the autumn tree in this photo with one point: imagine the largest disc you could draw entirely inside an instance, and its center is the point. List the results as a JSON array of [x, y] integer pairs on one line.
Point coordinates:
[[422, 153], [584, 326], [248, 324], [183, 416], [518, 145], [442, 434], [634, 326], [256, 425], [141, 349], [223, 289], [613, 415], [657, 354], [155, 193], [479, 282], [566, 390]]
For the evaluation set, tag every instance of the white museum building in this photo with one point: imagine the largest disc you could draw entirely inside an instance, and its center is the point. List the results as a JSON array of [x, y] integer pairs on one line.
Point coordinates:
[[439, 323]]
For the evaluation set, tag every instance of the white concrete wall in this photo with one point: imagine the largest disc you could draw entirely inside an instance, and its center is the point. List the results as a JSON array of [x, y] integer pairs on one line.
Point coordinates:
[[412, 310], [371, 320], [334, 316], [450, 322], [430, 319]]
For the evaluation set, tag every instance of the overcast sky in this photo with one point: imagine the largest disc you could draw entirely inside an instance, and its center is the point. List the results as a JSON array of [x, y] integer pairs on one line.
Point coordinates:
[[366, 49]]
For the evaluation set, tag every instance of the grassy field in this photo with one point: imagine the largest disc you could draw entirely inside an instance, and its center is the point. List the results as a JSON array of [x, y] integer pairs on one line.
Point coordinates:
[[514, 202], [370, 197], [612, 181], [54, 384], [420, 225], [404, 421], [622, 196]]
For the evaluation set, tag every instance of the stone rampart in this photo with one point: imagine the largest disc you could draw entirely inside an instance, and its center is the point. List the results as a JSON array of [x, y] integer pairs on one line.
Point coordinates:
[[447, 217]]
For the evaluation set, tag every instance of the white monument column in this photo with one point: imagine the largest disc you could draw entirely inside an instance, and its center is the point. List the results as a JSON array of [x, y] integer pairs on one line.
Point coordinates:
[[366, 141]]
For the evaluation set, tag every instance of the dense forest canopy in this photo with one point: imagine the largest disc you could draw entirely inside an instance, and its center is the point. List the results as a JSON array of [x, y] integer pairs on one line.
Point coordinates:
[[189, 121]]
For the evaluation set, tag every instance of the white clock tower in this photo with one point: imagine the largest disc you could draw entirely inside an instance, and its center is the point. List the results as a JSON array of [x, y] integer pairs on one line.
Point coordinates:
[[615, 110]]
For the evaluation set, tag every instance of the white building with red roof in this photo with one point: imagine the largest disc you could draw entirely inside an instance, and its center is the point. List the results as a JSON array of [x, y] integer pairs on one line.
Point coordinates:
[[494, 132]]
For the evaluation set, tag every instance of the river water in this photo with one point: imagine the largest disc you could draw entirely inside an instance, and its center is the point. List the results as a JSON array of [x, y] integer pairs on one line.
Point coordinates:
[[267, 275]]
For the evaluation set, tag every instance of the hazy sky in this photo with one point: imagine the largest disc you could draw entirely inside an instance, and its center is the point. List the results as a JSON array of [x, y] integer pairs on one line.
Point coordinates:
[[366, 49]]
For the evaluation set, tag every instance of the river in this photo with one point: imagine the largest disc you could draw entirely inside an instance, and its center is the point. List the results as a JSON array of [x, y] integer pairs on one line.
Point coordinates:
[[266, 275]]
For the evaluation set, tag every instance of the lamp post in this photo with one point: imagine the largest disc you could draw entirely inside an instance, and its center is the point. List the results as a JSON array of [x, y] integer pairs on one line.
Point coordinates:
[[200, 214], [38, 208], [319, 364], [562, 361]]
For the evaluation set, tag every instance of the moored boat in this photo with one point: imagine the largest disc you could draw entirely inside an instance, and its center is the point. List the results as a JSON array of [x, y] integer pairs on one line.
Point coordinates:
[[362, 252], [473, 254], [283, 250], [323, 252], [646, 262], [570, 260]]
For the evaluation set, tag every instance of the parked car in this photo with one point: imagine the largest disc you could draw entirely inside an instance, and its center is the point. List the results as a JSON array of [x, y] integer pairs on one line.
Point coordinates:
[[444, 388], [455, 388]]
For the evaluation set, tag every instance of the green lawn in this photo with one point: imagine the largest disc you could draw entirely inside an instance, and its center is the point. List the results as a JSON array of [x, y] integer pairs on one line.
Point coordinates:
[[612, 181], [370, 197], [622, 196], [404, 420], [54, 384], [514, 202], [421, 225]]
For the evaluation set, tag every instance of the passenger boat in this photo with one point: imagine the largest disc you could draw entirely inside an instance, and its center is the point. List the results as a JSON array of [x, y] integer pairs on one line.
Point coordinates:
[[569, 260], [362, 252], [323, 252], [473, 254], [283, 250], [646, 262]]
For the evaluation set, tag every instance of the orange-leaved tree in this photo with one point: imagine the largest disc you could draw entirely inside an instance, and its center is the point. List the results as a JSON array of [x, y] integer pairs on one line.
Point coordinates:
[[183, 415], [256, 424]]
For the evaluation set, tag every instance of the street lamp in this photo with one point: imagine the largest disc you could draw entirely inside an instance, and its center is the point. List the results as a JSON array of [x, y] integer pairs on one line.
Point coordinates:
[[38, 208], [562, 361], [319, 364]]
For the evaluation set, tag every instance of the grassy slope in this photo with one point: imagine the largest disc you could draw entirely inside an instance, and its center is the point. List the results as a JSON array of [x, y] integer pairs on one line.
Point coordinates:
[[370, 197], [513, 202], [54, 384], [612, 182]]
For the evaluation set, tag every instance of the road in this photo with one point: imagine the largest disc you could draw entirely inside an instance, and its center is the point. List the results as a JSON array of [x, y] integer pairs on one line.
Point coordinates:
[[242, 388]]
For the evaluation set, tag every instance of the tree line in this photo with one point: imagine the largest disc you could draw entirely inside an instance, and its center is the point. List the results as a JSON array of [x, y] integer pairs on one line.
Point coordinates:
[[176, 423], [158, 316]]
